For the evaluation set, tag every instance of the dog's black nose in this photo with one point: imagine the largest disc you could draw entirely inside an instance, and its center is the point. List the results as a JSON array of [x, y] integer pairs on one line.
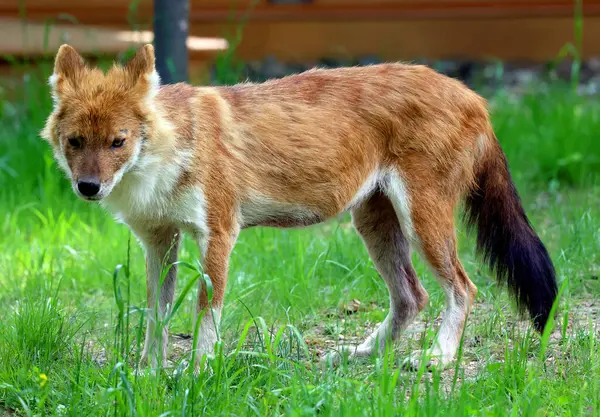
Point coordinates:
[[88, 188]]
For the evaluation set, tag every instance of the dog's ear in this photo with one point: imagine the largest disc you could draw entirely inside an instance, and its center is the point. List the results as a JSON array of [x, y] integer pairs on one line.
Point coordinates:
[[142, 72], [68, 66], [142, 62], [68, 63]]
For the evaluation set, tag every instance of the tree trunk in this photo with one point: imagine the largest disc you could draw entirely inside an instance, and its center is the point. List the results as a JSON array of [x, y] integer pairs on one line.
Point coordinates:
[[171, 22]]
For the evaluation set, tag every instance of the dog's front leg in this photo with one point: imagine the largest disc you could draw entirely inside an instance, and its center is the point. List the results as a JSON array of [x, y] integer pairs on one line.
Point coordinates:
[[161, 245], [218, 248]]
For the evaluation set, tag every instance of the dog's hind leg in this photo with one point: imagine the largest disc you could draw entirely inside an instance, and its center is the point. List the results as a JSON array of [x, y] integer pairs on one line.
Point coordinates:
[[378, 225], [434, 226]]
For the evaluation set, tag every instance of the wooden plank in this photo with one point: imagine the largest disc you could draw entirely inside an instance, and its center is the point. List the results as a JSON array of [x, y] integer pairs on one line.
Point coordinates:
[[35, 39], [211, 11], [537, 39], [358, 12]]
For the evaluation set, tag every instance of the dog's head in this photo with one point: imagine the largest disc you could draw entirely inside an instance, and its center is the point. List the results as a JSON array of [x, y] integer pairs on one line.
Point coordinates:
[[97, 126]]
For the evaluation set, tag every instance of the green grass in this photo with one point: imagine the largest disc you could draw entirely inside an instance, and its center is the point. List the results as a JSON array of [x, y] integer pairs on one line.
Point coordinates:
[[68, 346]]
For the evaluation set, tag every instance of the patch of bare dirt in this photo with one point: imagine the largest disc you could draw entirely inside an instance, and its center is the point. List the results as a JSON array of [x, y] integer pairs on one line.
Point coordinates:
[[320, 339]]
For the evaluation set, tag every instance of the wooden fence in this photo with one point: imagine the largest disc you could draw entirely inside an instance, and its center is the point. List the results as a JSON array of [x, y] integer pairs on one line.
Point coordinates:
[[391, 29]]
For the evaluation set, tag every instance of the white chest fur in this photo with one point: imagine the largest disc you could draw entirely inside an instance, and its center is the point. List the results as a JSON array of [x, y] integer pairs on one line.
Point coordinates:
[[147, 196]]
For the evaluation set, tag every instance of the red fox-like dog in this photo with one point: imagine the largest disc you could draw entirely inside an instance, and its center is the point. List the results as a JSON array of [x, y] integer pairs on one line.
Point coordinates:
[[399, 146]]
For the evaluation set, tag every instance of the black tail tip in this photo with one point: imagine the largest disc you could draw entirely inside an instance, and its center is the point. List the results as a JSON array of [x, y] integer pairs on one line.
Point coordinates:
[[540, 321], [532, 278]]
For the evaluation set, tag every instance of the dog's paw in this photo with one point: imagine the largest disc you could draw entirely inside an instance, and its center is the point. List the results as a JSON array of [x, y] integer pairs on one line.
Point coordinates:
[[333, 358], [344, 352], [427, 359]]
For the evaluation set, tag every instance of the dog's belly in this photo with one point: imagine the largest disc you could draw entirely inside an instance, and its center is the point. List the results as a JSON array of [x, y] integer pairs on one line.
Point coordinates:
[[284, 221], [263, 211]]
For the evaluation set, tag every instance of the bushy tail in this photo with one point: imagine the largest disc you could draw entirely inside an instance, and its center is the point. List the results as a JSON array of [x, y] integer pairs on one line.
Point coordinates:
[[506, 239]]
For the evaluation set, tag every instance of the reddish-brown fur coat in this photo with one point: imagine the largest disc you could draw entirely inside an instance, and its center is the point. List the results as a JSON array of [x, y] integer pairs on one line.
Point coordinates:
[[313, 138], [397, 145]]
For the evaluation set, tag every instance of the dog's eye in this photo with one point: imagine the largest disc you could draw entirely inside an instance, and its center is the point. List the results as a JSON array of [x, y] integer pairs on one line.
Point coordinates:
[[75, 142], [117, 143]]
